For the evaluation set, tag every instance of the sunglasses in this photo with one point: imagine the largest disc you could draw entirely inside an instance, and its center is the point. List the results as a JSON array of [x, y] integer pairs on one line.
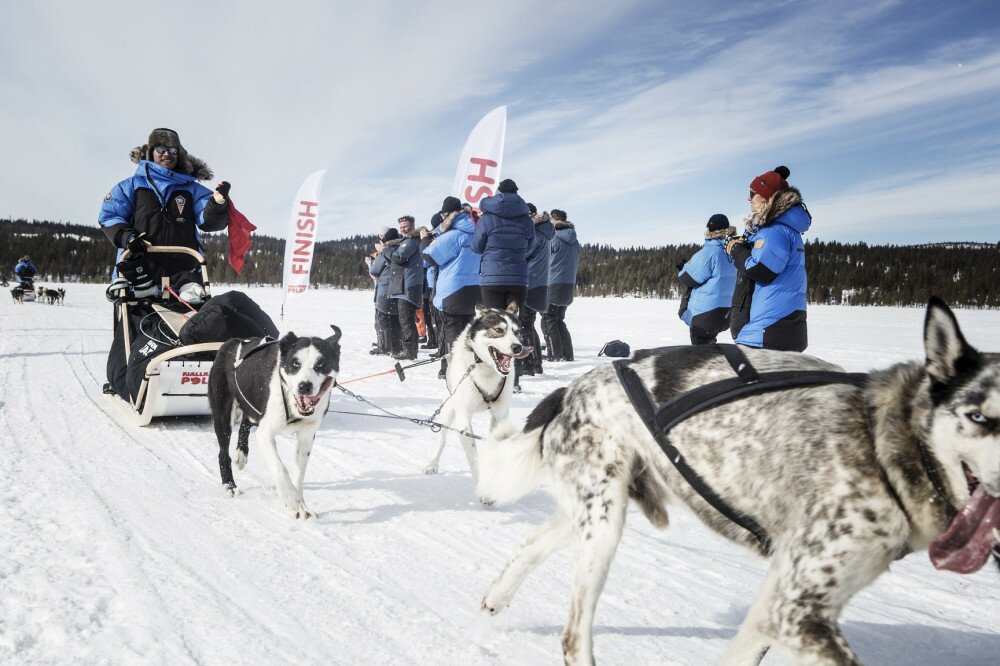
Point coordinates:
[[405, 219], [159, 150]]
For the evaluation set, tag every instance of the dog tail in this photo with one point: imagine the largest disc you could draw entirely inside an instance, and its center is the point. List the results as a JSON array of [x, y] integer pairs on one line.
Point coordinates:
[[510, 461]]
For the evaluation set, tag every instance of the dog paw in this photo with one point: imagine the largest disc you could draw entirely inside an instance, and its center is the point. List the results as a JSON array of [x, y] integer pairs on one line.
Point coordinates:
[[491, 606], [240, 460], [230, 489], [487, 502], [431, 469]]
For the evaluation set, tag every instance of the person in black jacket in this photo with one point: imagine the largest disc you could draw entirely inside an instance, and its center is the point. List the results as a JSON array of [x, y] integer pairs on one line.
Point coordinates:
[[406, 283]]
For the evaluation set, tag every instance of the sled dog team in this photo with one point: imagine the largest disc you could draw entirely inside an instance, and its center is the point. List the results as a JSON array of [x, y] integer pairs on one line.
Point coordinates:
[[833, 481]]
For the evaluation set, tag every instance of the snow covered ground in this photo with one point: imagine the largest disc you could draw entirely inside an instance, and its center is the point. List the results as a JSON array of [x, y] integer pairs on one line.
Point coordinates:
[[117, 544]]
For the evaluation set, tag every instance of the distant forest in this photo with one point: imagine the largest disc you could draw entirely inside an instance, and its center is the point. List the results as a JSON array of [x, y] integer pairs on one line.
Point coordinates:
[[963, 274]]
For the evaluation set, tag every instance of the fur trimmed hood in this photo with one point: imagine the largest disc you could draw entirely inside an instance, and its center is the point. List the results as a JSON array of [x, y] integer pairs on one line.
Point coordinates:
[[540, 218], [562, 224], [720, 233], [187, 163], [781, 202], [396, 241]]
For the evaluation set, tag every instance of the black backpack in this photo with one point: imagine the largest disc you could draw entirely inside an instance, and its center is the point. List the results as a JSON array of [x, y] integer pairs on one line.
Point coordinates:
[[615, 348]]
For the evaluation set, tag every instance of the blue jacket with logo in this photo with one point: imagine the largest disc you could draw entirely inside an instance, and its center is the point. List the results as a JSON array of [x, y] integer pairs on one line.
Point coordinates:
[[502, 237], [171, 207], [456, 286], [769, 301], [712, 279]]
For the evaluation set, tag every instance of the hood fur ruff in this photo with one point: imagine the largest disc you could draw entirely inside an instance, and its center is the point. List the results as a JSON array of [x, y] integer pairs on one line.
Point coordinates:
[[540, 218], [447, 221], [396, 241], [720, 233], [779, 202], [186, 162], [562, 224]]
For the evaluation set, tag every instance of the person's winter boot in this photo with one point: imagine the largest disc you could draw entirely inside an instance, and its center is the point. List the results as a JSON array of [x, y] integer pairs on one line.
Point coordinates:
[[443, 372]]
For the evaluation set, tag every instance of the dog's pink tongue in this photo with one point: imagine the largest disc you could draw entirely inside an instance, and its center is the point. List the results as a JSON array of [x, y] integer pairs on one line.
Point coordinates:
[[965, 545], [525, 352]]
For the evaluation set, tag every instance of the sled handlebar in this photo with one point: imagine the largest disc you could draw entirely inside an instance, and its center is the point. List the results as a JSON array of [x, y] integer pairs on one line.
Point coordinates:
[[169, 249]]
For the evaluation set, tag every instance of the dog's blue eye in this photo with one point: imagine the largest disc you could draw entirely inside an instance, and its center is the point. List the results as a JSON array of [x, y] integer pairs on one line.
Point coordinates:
[[977, 417]]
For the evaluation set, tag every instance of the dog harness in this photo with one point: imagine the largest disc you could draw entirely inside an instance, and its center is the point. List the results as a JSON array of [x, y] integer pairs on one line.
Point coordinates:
[[660, 419]]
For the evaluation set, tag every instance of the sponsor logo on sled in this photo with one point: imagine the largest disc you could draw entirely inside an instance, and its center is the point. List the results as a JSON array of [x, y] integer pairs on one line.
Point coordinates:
[[194, 378]]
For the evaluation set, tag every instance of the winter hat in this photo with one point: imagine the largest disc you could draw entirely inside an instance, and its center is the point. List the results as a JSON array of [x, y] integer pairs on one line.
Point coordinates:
[[507, 186], [390, 234], [435, 220], [532, 209], [557, 214], [162, 136], [451, 205], [381, 230], [718, 222], [768, 183]]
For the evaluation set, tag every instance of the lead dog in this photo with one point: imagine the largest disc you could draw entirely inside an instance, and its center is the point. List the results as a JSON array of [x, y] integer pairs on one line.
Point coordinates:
[[843, 479], [478, 378], [280, 386]]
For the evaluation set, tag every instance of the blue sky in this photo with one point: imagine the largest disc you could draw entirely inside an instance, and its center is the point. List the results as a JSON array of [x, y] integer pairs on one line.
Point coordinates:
[[640, 119]]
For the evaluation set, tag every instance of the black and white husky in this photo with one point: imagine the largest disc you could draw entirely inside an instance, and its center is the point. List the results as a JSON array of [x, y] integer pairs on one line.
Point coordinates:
[[478, 377], [280, 386], [843, 478]]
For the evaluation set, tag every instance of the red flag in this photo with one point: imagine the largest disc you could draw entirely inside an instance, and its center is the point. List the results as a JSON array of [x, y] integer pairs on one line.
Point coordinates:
[[239, 237]]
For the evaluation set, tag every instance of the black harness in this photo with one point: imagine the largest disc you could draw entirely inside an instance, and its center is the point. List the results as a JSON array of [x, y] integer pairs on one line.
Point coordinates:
[[660, 419], [242, 354]]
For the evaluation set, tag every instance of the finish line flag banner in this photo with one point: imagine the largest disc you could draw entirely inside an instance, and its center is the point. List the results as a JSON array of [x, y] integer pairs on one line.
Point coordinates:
[[479, 167], [300, 244]]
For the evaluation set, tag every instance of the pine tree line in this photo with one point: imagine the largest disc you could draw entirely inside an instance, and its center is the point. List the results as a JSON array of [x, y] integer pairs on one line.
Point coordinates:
[[964, 274]]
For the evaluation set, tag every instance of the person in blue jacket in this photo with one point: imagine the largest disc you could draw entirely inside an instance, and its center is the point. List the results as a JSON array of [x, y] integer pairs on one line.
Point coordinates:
[[537, 300], [769, 301], [456, 286], [24, 269], [503, 236], [386, 307], [406, 284], [564, 259], [709, 278], [162, 204]]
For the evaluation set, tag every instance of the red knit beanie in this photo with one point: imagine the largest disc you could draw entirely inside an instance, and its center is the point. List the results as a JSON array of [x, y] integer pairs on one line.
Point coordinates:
[[768, 183]]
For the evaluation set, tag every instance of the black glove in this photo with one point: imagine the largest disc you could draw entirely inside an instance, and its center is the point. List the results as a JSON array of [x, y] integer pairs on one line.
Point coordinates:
[[680, 265], [223, 189], [137, 271], [732, 242], [137, 244]]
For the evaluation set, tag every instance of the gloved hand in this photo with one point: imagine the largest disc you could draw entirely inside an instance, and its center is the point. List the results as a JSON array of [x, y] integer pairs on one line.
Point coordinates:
[[732, 242], [222, 192], [137, 271], [137, 244]]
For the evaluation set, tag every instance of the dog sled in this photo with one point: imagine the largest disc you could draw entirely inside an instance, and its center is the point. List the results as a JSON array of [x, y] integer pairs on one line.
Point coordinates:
[[27, 288], [175, 381]]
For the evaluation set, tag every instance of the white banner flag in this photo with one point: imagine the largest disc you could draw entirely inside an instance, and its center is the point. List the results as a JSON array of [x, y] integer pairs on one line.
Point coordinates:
[[479, 167], [300, 244]]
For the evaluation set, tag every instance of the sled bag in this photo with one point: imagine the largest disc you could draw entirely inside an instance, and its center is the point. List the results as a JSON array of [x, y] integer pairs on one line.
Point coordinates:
[[231, 315]]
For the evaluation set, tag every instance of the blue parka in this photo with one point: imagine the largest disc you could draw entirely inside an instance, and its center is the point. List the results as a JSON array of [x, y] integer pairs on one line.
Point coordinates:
[[712, 278], [564, 259], [24, 269], [503, 236], [456, 289], [171, 207], [406, 279], [538, 263], [380, 269], [769, 301]]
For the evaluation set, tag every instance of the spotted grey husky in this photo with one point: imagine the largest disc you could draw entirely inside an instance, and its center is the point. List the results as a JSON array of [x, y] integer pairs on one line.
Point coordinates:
[[842, 478], [280, 386], [478, 377]]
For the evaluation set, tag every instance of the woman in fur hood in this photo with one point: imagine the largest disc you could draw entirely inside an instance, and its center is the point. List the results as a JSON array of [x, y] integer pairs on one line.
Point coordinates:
[[769, 301]]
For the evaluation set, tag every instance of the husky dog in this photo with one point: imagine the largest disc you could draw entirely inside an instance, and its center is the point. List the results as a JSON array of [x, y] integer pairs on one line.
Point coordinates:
[[844, 479], [280, 386], [488, 346], [17, 294], [52, 296]]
